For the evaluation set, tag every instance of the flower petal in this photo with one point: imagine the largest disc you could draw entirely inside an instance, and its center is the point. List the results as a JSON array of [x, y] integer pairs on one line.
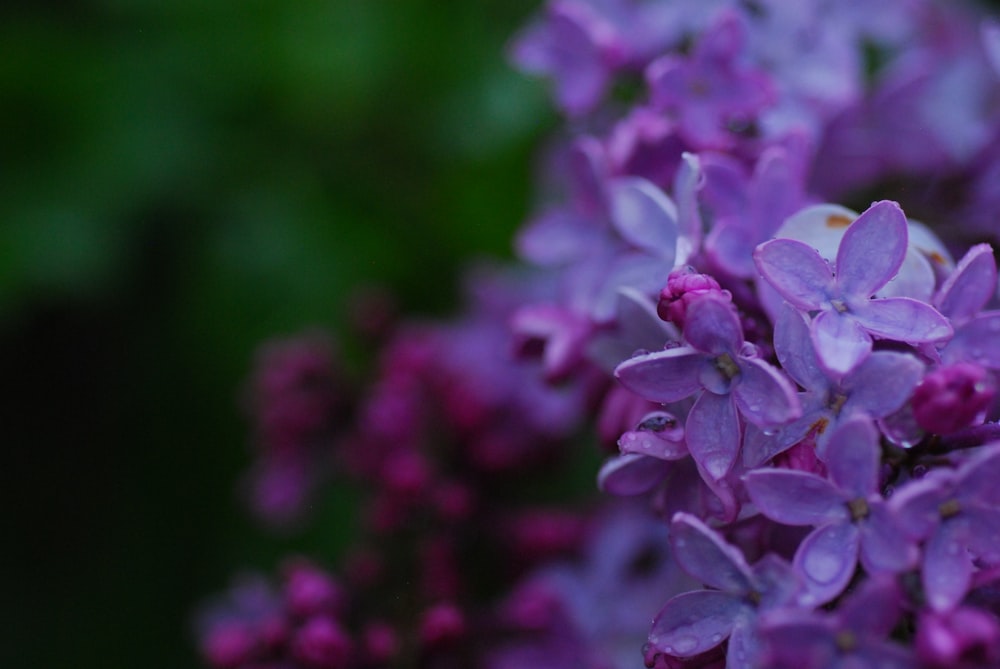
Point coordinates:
[[841, 344], [694, 622], [947, 570], [872, 249], [664, 376], [826, 560], [796, 271], [902, 319], [686, 185], [644, 216], [884, 545], [792, 497], [631, 474], [967, 290], [975, 341], [713, 433], [703, 554], [795, 351], [712, 325], [852, 457], [881, 384], [764, 395]]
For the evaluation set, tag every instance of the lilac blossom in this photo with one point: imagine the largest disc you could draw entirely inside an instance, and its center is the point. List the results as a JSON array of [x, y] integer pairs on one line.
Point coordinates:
[[846, 317], [956, 514], [876, 388], [713, 87], [856, 634], [747, 210], [575, 45], [594, 612], [953, 397], [962, 298], [962, 638], [851, 519], [694, 622], [730, 381]]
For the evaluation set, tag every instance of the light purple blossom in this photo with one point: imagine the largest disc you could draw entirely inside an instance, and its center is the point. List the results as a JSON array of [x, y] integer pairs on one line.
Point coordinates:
[[846, 317], [730, 381], [854, 635], [876, 388], [713, 87], [956, 514], [852, 521], [697, 621]]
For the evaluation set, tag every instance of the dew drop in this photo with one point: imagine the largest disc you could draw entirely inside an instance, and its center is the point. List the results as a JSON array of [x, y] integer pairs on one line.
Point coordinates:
[[716, 638], [822, 568], [770, 432], [684, 644]]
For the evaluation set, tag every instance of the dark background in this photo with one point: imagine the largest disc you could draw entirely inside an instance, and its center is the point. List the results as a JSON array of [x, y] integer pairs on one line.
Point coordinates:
[[180, 181]]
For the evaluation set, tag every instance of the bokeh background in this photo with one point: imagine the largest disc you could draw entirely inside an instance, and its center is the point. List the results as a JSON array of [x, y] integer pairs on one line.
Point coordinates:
[[180, 181]]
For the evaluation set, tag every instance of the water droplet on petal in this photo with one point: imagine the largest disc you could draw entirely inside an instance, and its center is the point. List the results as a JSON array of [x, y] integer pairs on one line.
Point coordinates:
[[822, 567], [716, 638], [684, 644]]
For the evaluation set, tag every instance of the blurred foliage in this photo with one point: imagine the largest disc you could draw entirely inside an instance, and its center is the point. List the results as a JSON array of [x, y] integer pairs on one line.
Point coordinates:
[[181, 181]]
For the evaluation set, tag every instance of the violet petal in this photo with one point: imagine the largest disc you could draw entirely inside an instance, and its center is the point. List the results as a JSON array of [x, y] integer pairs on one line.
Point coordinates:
[[713, 433], [826, 560], [765, 397], [792, 497], [902, 319], [694, 622], [796, 271], [840, 342], [703, 554], [664, 376], [872, 249]]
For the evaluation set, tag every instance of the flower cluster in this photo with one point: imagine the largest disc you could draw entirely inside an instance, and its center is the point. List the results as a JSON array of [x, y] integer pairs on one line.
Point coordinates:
[[800, 398], [805, 393]]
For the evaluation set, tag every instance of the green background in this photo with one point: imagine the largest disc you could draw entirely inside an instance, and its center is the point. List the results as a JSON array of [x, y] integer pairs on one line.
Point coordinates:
[[181, 181]]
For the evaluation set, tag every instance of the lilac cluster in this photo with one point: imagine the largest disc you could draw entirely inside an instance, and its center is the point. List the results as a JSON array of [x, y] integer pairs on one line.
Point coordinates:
[[805, 395], [298, 401], [436, 446], [800, 399]]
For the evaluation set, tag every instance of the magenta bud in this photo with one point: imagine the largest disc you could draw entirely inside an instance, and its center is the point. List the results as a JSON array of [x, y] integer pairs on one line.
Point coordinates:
[[321, 643], [442, 624], [310, 591], [381, 643], [952, 398], [229, 645], [683, 287]]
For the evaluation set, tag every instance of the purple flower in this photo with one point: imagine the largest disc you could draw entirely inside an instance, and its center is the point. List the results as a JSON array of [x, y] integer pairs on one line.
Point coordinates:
[[577, 47], [729, 379], [595, 613], [956, 513], [962, 638], [846, 317], [852, 521], [962, 298], [876, 388], [697, 621], [748, 209], [711, 88], [953, 397], [683, 287], [853, 635]]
